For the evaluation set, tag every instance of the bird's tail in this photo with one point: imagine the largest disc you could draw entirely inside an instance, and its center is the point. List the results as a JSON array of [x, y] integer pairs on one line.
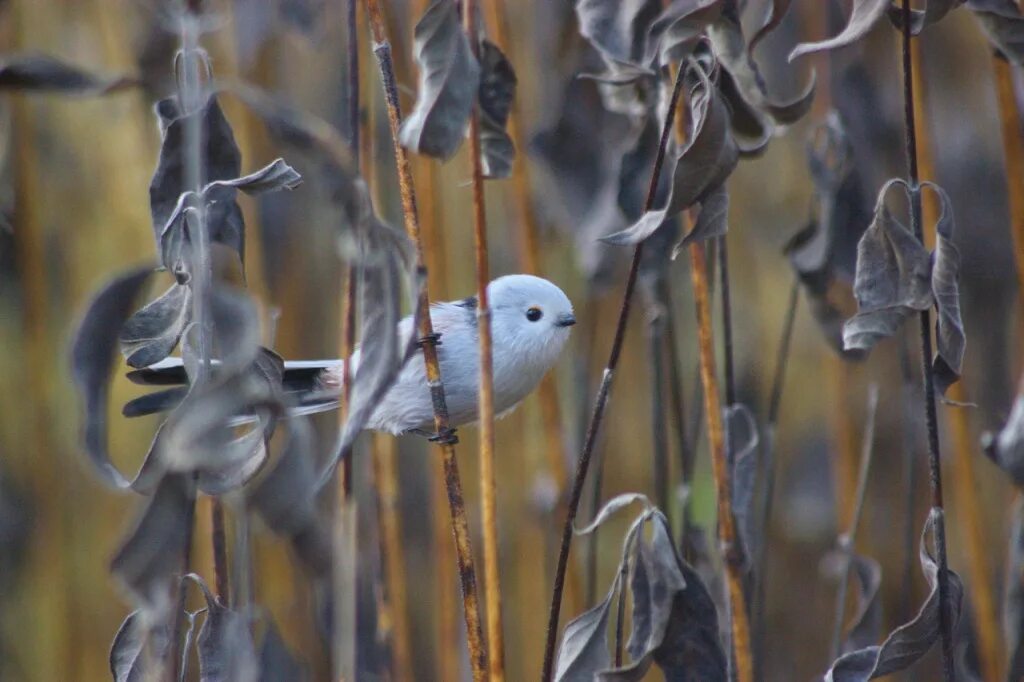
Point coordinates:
[[302, 385]]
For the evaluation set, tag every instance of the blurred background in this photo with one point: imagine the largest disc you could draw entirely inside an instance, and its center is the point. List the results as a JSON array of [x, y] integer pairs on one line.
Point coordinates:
[[73, 196]]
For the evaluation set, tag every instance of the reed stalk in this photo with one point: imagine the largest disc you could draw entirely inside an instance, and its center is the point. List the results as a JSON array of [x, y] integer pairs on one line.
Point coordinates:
[[931, 417], [488, 483], [601, 401], [460, 526]]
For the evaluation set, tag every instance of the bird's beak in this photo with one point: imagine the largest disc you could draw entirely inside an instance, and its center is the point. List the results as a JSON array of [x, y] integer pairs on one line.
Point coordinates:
[[565, 320]]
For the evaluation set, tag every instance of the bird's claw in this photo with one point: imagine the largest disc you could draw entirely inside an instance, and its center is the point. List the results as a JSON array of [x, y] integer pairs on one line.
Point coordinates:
[[433, 339], [446, 436]]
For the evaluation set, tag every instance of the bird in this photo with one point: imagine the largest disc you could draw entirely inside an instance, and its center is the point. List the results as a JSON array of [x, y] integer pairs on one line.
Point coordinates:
[[530, 325]]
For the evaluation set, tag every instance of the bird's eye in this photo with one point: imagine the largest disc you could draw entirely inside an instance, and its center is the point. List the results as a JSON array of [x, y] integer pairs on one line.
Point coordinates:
[[534, 314]]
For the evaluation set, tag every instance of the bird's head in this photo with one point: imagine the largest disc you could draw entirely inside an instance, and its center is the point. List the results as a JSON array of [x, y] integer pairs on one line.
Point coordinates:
[[531, 315]]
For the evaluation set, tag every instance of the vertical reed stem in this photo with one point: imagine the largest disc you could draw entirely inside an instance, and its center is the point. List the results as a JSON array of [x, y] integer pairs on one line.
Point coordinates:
[[488, 484], [460, 526], [1013, 144], [602, 400], [934, 460]]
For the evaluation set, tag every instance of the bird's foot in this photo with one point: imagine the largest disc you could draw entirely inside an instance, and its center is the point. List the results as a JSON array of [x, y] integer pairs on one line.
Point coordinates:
[[433, 339], [446, 436]]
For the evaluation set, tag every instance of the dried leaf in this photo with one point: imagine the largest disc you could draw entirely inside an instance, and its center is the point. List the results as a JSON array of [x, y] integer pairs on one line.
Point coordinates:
[[892, 281], [1003, 25], [864, 15], [92, 358], [149, 559], [226, 649], [43, 73], [275, 176], [867, 621], [221, 161], [933, 11], [497, 89], [777, 10], [950, 340], [910, 641], [150, 335], [1013, 609], [1006, 448], [584, 648], [742, 450], [613, 505], [138, 652], [448, 83], [699, 169], [677, 31]]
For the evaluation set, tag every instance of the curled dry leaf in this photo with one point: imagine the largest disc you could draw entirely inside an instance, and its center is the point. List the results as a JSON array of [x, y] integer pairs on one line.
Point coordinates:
[[448, 83], [150, 557], [225, 646], [677, 31], [43, 73], [897, 277], [150, 335], [777, 10], [867, 620], [139, 651], [1013, 607], [742, 451], [910, 641], [863, 16], [1002, 23], [922, 18], [221, 161], [699, 169], [1006, 448], [496, 92], [584, 647], [93, 351]]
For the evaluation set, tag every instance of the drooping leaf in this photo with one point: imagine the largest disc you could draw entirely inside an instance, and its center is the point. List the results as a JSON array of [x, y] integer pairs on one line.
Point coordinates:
[[150, 335], [742, 450], [863, 16], [226, 649], [43, 73], [448, 82], [152, 554], [92, 359], [777, 10], [1013, 606], [867, 621], [220, 159], [674, 35], [910, 641], [138, 652], [699, 169], [892, 281], [236, 328], [950, 340], [1006, 448], [276, 175], [584, 647], [612, 506], [1002, 23], [496, 92], [920, 19]]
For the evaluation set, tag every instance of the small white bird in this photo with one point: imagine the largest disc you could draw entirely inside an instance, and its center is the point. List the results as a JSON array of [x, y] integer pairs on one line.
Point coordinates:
[[530, 320]]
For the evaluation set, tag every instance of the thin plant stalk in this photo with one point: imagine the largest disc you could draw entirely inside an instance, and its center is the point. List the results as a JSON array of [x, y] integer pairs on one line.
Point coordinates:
[[659, 436], [488, 484], [601, 401], [931, 418], [677, 407], [910, 446], [530, 256], [1013, 146], [726, 301], [848, 539], [768, 471], [428, 341], [964, 445]]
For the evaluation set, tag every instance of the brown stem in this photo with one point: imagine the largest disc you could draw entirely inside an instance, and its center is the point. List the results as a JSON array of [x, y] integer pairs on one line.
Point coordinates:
[[220, 551], [1013, 144], [488, 485], [931, 418], [602, 400], [460, 528]]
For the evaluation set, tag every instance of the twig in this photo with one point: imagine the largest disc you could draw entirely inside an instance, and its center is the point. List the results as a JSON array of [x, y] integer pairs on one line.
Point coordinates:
[[847, 541], [602, 399], [723, 274], [768, 468], [1013, 144], [934, 460], [488, 485], [460, 528]]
